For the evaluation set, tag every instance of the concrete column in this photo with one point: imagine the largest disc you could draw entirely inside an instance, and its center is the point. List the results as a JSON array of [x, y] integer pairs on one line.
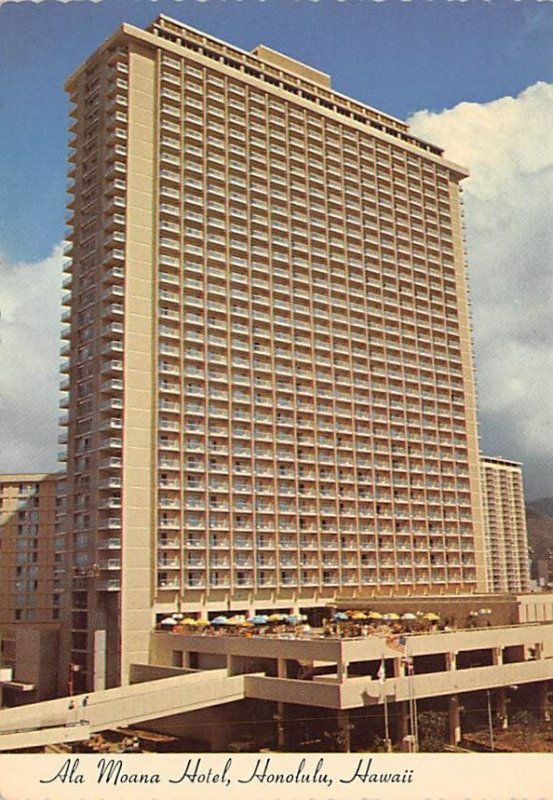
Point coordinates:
[[343, 730], [281, 668], [402, 721], [342, 669], [501, 706], [540, 653], [454, 720], [451, 661], [186, 659], [543, 701], [281, 738], [497, 656], [399, 668]]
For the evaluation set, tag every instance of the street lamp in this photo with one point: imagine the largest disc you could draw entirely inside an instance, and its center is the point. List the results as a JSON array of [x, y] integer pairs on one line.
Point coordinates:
[[72, 669]]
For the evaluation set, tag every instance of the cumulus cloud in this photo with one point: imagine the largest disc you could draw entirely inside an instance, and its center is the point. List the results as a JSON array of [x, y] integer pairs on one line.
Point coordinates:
[[29, 358], [506, 145]]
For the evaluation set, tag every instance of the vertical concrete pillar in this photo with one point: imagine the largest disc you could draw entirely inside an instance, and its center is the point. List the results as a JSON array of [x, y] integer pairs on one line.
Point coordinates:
[[497, 656], [543, 701], [451, 660], [282, 671], [280, 717], [343, 730], [454, 720], [402, 729], [399, 668], [342, 669], [100, 660], [501, 706]]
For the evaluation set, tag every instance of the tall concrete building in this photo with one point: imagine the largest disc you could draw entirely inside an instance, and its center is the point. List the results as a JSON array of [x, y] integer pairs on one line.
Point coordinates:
[[506, 536], [271, 394]]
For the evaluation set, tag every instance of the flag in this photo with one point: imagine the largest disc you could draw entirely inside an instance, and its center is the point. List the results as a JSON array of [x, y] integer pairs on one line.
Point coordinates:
[[381, 675], [396, 642]]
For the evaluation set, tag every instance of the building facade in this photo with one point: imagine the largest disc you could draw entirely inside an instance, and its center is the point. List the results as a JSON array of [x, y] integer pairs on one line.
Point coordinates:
[[270, 385], [31, 548], [507, 558]]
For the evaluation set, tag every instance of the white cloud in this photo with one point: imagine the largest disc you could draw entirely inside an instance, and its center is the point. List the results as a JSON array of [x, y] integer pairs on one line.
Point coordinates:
[[29, 359], [507, 147]]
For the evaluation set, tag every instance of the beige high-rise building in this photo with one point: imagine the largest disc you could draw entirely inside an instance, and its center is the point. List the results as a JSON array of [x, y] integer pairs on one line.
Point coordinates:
[[31, 548], [271, 393], [506, 536]]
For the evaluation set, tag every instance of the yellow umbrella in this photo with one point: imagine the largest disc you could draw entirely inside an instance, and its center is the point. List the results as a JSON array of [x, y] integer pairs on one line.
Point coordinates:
[[375, 615], [431, 616], [358, 615], [202, 622], [188, 621], [391, 615]]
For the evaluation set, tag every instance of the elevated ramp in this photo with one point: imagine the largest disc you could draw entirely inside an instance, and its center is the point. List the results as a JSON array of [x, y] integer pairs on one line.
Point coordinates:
[[68, 719]]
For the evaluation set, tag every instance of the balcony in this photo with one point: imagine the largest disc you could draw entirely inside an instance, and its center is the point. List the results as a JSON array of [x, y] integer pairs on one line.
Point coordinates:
[[112, 585], [110, 564], [170, 584]]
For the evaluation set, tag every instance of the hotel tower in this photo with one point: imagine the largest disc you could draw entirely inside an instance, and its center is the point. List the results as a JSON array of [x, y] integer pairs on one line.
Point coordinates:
[[271, 398], [505, 533]]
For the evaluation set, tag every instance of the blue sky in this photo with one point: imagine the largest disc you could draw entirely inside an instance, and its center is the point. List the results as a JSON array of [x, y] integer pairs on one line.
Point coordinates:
[[473, 76], [398, 56]]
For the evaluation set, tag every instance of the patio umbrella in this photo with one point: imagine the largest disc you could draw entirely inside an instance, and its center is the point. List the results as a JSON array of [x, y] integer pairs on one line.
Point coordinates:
[[277, 617], [374, 615], [391, 615], [169, 621], [259, 619], [408, 616], [340, 616], [359, 615], [219, 621], [201, 623], [431, 616], [293, 619], [188, 621]]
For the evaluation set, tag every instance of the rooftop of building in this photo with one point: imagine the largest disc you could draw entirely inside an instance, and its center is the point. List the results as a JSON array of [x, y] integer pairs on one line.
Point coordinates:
[[499, 461], [30, 477], [275, 68]]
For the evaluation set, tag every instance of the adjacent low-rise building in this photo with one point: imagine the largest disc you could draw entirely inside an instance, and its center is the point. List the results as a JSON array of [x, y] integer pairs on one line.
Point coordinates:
[[32, 543]]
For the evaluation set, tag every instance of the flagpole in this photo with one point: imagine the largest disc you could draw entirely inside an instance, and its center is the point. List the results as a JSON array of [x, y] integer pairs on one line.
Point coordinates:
[[412, 702], [386, 718]]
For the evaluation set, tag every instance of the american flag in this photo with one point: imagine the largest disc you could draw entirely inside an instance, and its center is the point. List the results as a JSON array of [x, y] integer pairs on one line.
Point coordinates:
[[396, 642]]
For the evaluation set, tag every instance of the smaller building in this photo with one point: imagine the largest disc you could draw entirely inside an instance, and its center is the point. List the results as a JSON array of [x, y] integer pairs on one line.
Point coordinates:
[[506, 536], [32, 542], [31, 547]]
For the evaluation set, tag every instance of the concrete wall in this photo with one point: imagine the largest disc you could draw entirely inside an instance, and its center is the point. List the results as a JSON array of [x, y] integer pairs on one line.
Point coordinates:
[[36, 654]]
